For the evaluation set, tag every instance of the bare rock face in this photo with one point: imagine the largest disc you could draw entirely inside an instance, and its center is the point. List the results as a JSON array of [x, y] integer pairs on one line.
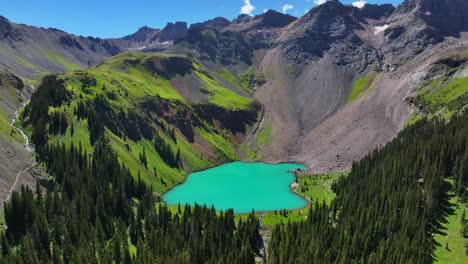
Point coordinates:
[[447, 16], [330, 28], [273, 18], [6, 30], [173, 31], [417, 24], [143, 35], [217, 22], [225, 47], [269, 20], [377, 12]]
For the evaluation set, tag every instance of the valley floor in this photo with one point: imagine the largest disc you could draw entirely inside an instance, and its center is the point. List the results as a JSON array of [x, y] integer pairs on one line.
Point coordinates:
[[451, 244]]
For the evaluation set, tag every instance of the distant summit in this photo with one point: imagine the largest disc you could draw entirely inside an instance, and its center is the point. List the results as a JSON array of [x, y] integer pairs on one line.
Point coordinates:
[[447, 16], [217, 22], [272, 18], [377, 11], [173, 31], [142, 35]]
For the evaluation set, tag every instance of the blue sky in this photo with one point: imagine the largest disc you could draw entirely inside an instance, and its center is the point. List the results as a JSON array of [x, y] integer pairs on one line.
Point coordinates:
[[117, 18]]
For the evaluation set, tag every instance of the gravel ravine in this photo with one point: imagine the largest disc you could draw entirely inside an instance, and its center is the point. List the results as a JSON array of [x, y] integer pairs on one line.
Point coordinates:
[[314, 125]]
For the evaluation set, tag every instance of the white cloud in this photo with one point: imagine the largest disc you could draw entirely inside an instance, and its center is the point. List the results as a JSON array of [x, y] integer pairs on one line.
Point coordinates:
[[306, 11], [287, 7], [247, 8], [265, 10], [359, 4], [320, 2]]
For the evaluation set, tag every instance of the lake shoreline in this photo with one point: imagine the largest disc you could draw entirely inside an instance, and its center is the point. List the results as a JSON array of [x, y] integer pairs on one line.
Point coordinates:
[[241, 176]]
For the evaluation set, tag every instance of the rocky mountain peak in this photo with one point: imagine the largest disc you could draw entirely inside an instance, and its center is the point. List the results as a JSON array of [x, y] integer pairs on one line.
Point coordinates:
[[7, 31], [377, 12], [331, 17], [449, 17], [330, 28], [272, 18], [142, 34], [217, 22], [173, 31], [243, 18]]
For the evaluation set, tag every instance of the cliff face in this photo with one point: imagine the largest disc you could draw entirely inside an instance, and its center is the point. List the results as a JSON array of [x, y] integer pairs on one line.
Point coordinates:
[[377, 11], [173, 31], [330, 28], [447, 16]]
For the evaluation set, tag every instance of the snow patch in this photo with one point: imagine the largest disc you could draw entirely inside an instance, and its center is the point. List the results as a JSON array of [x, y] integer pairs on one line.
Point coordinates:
[[139, 48], [359, 4], [380, 29]]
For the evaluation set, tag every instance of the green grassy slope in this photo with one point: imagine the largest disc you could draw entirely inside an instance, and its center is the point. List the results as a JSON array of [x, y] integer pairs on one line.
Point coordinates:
[[361, 85], [444, 95], [313, 188], [139, 85], [7, 131], [8, 96], [452, 245]]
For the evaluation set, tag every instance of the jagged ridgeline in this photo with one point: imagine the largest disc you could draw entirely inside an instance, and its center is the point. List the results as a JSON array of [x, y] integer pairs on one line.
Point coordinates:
[[163, 115], [390, 206]]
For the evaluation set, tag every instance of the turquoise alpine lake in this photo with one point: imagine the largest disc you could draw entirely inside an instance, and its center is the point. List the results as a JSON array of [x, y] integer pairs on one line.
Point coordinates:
[[241, 186]]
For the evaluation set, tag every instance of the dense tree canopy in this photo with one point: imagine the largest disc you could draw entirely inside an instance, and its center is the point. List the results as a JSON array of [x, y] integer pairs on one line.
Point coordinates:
[[97, 213], [390, 205]]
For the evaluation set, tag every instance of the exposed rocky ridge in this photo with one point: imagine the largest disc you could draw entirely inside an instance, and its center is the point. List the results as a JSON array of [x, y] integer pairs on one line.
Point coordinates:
[[377, 12], [173, 31], [225, 47], [319, 29], [417, 24], [269, 19], [30, 51], [217, 22], [330, 28], [447, 16], [143, 35]]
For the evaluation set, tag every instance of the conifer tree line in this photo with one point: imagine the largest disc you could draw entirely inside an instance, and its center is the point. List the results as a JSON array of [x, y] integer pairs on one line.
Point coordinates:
[[390, 205], [166, 153], [98, 213]]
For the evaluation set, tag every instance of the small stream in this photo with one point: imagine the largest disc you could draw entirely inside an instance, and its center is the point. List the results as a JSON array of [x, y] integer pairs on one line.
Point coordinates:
[[27, 145], [25, 137]]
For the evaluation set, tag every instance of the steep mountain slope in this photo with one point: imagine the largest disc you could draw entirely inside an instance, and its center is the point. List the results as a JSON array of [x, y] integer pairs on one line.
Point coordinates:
[[164, 115], [324, 58], [31, 52], [313, 69], [150, 38]]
